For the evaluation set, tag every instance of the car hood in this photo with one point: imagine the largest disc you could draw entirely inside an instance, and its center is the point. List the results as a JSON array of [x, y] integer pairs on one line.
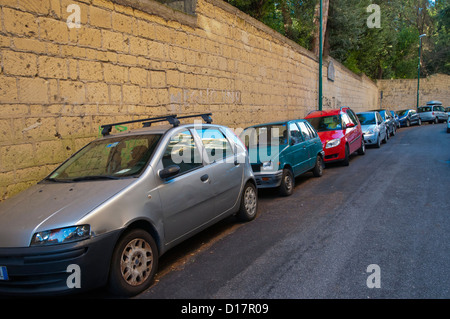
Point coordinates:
[[260, 154], [326, 136], [50, 205], [365, 128]]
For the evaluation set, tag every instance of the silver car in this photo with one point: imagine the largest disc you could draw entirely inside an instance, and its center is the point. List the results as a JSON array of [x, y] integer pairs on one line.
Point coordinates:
[[433, 112], [107, 213], [373, 127]]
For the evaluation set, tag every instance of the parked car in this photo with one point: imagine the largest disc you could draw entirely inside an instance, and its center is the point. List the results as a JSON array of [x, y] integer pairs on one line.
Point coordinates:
[[433, 112], [281, 151], [389, 120], [119, 203], [340, 133], [448, 125], [409, 117], [396, 119], [373, 127], [447, 110]]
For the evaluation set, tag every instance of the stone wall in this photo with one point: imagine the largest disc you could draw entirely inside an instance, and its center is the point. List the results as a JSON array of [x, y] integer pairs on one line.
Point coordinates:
[[402, 94], [135, 59]]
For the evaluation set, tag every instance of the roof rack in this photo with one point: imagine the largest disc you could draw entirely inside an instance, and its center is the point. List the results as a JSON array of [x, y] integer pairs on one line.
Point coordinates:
[[173, 119]]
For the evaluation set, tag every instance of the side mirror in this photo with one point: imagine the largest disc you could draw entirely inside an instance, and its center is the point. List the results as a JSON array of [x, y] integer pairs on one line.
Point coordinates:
[[349, 125], [169, 171]]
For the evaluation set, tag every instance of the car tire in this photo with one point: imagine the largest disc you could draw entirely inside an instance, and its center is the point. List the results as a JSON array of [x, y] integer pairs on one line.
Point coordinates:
[[249, 203], [420, 122], [318, 168], [346, 160], [287, 183], [378, 144], [394, 130], [362, 149], [134, 263], [408, 123]]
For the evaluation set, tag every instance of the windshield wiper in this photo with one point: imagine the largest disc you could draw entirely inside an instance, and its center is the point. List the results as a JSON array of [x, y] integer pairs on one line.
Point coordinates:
[[52, 179], [93, 177]]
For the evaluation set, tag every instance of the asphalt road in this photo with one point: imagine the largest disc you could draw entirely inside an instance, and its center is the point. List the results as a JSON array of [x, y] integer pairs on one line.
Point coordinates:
[[389, 207]]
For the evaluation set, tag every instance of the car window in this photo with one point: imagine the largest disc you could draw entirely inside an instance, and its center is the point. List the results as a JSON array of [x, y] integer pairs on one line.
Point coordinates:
[[366, 118], [108, 158], [423, 109], [312, 131], [265, 135], [216, 144], [305, 132], [345, 119], [326, 123], [380, 119], [183, 152], [352, 116], [295, 134]]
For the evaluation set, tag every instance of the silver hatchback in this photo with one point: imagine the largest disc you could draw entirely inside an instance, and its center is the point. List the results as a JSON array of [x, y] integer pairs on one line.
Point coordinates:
[[107, 213], [373, 127]]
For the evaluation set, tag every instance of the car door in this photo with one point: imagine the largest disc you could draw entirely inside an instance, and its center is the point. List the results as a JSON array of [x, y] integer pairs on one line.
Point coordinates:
[[381, 125], [309, 145], [297, 153], [357, 138], [226, 171], [315, 141], [187, 197], [350, 133]]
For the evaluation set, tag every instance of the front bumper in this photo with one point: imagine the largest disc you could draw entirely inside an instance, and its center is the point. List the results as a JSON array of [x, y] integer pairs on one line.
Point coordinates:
[[370, 139], [334, 153], [268, 179], [45, 270]]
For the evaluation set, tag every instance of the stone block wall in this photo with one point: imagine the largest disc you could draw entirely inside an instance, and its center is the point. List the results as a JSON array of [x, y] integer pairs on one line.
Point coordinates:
[[133, 59], [402, 94]]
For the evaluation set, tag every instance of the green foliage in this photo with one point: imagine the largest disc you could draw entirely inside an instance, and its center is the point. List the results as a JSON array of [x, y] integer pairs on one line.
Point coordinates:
[[390, 51]]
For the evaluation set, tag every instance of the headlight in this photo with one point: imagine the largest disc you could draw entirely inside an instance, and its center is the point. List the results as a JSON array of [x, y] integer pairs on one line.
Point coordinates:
[[61, 235], [333, 143], [267, 166]]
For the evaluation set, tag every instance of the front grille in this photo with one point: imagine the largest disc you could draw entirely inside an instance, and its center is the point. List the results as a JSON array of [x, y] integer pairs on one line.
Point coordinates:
[[33, 273]]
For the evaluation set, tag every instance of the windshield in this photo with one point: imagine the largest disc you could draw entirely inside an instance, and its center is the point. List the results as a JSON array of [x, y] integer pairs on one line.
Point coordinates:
[[326, 123], [367, 118], [110, 158], [265, 135], [402, 112]]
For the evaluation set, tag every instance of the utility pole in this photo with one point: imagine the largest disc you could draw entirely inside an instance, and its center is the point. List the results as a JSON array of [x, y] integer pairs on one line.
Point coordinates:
[[320, 57], [418, 67]]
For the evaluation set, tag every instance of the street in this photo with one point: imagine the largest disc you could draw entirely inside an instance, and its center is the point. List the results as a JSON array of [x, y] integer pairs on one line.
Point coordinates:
[[388, 208]]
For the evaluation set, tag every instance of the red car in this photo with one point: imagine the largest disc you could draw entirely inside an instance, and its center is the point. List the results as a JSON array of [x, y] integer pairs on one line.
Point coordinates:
[[340, 133]]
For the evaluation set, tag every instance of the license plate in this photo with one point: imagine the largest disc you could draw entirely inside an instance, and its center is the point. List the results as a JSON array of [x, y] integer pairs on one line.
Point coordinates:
[[3, 273]]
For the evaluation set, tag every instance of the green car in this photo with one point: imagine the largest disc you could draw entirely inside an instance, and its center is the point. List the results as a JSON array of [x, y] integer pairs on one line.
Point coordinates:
[[281, 151]]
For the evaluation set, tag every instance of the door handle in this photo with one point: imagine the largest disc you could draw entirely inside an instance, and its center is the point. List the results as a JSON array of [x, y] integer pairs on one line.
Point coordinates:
[[204, 178]]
